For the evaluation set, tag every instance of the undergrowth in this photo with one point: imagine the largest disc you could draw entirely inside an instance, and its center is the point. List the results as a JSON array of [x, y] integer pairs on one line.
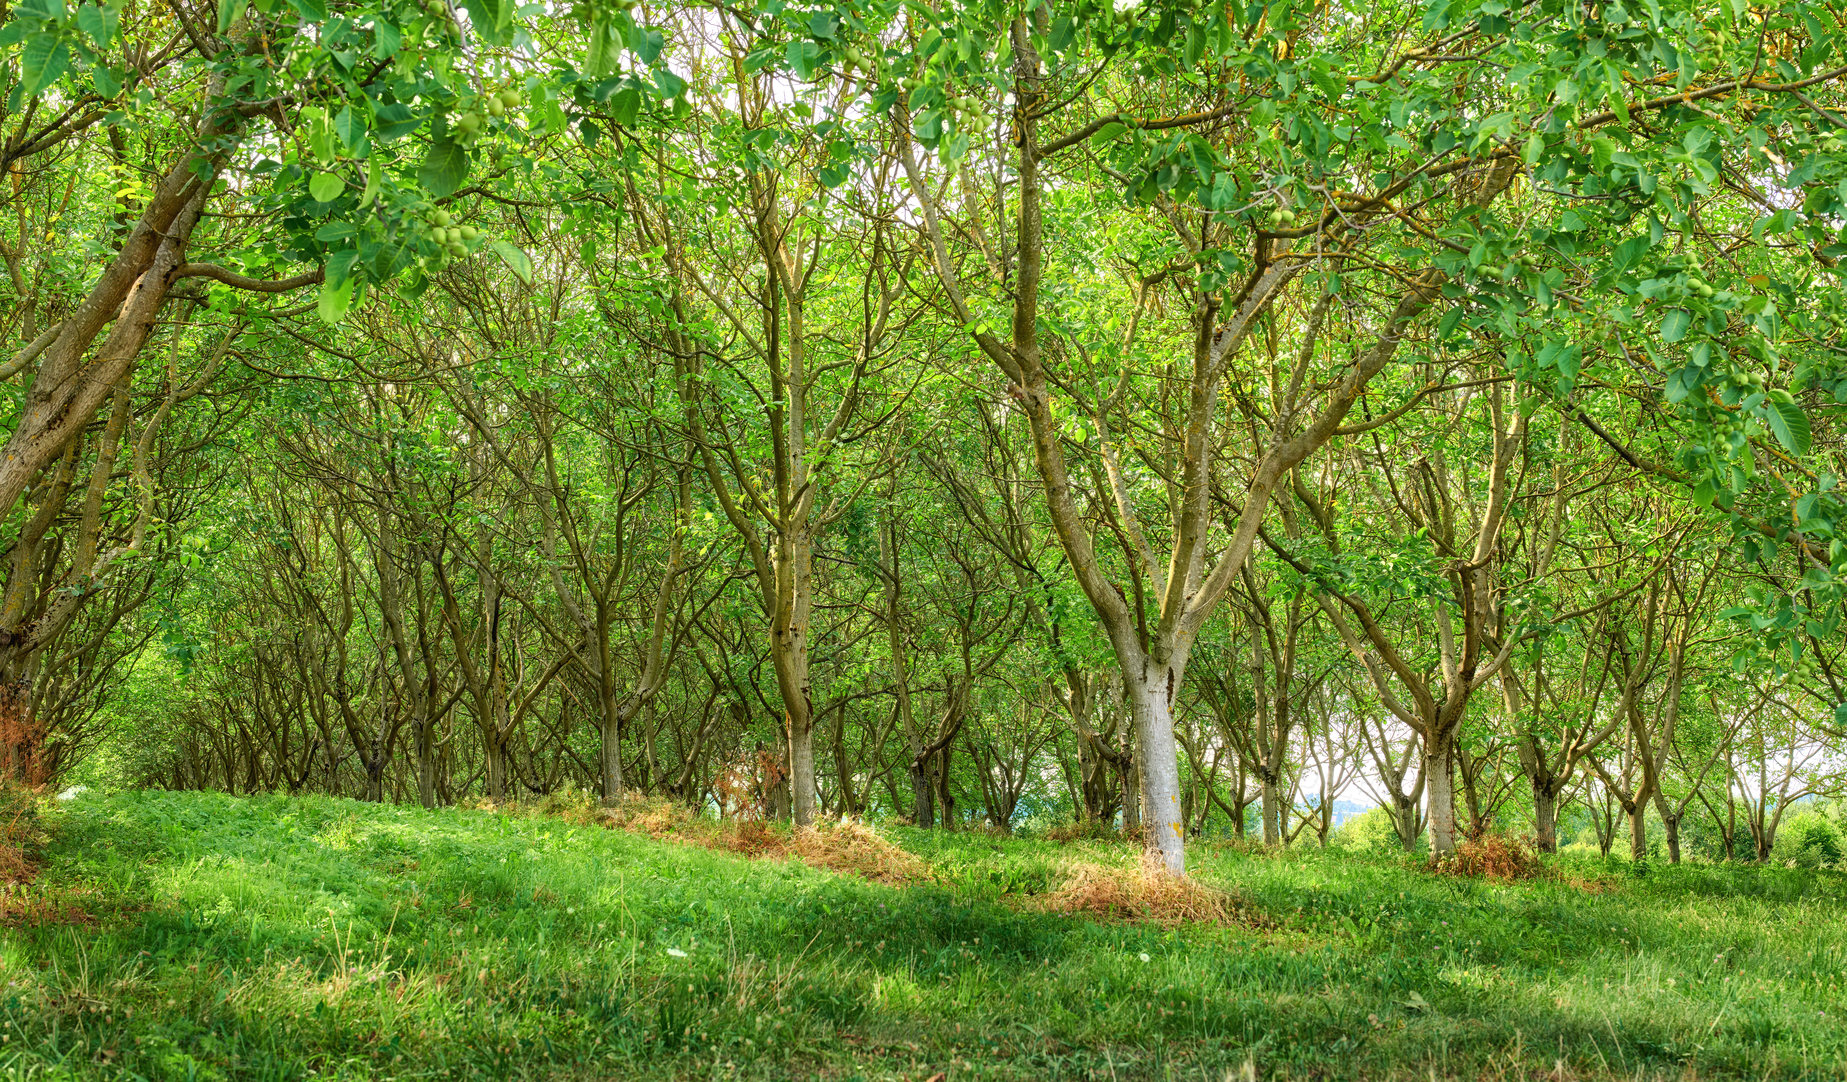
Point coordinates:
[[1492, 856], [296, 938]]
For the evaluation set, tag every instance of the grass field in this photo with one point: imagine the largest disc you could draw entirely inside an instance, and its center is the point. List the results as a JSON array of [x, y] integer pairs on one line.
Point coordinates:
[[196, 936]]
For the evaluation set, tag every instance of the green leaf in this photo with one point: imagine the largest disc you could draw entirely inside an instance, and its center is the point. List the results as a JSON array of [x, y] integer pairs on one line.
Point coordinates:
[[350, 126], [99, 22], [43, 59], [444, 169], [395, 120], [515, 258], [334, 301], [490, 18], [1789, 424], [1674, 327], [1630, 251], [228, 11], [645, 43], [326, 187], [1534, 149], [1108, 132]]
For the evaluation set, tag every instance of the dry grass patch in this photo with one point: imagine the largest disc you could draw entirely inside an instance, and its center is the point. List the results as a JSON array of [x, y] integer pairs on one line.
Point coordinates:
[[850, 847], [857, 849], [1148, 897]]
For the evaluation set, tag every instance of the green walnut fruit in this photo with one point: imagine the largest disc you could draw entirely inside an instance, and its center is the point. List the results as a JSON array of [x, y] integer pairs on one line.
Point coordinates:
[[1275, 219], [470, 233], [441, 217], [495, 108]]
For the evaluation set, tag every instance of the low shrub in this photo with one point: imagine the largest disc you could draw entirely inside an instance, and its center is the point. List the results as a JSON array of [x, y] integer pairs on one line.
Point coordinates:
[[643, 813], [1083, 830], [1368, 832], [1811, 840], [1492, 856]]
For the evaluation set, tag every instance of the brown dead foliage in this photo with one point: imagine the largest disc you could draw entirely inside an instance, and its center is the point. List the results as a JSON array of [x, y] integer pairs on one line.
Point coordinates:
[[1150, 897], [19, 832], [1492, 856], [19, 909]]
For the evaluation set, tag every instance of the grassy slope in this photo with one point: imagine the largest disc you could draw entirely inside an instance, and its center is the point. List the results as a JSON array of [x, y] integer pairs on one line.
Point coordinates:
[[294, 937]]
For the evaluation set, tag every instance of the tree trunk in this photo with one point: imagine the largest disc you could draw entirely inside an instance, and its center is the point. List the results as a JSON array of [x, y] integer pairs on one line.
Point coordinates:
[[1638, 831], [494, 763], [1163, 826], [1129, 771], [1440, 784], [923, 799], [426, 763], [1404, 820], [610, 728], [801, 765], [1545, 818], [1272, 812], [1670, 832]]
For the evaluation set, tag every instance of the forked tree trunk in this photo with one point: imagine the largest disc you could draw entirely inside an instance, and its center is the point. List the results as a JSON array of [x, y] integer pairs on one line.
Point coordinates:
[[1404, 822]]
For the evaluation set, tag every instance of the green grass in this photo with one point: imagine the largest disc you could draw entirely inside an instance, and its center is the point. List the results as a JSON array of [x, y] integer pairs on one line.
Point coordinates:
[[290, 938]]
